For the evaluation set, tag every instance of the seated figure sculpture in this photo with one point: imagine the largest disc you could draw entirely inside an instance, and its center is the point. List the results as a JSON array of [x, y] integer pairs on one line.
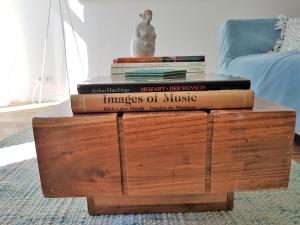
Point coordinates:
[[143, 41]]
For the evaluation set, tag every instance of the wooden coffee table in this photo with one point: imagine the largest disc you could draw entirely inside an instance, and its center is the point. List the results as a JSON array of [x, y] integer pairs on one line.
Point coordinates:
[[163, 161]]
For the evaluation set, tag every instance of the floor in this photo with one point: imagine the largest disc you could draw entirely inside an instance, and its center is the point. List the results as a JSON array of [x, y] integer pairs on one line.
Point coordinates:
[[18, 116]]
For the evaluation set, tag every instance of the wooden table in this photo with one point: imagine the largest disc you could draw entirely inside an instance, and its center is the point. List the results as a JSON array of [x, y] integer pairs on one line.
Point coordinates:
[[163, 161]]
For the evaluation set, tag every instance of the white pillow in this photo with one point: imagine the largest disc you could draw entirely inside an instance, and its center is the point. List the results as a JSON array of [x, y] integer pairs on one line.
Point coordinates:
[[291, 39], [290, 34]]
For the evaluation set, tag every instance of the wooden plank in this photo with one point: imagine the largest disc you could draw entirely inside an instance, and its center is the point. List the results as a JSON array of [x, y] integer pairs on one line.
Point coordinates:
[[160, 204], [78, 156], [165, 152], [261, 105], [133, 209], [127, 200], [251, 149]]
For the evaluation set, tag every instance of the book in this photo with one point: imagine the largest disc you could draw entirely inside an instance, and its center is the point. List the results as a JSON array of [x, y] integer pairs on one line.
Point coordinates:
[[162, 101], [122, 70], [159, 64], [199, 82], [158, 73], [198, 58]]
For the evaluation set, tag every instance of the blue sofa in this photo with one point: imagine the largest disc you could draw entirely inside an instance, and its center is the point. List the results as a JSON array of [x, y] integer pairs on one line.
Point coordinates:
[[245, 47]]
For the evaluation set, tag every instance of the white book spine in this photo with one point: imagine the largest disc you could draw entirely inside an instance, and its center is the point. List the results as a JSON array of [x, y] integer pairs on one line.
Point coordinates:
[[158, 64], [196, 73], [188, 69]]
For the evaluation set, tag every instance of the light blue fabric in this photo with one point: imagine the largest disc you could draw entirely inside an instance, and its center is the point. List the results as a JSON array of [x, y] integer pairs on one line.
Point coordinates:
[[274, 76], [245, 37]]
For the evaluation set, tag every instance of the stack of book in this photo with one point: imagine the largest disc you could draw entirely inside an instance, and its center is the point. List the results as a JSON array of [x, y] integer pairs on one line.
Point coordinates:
[[192, 64], [193, 92]]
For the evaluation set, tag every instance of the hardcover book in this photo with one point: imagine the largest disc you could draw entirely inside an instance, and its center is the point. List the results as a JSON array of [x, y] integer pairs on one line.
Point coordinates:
[[199, 82], [122, 71], [162, 101], [190, 67], [198, 58], [159, 64], [155, 73]]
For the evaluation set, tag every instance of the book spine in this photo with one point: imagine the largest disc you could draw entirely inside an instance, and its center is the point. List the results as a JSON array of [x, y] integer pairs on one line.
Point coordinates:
[[158, 64], [189, 73], [162, 101], [160, 87], [160, 59], [188, 69]]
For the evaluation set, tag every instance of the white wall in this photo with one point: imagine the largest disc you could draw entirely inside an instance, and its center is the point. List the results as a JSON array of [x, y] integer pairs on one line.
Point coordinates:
[[23, 29], [104, 29]]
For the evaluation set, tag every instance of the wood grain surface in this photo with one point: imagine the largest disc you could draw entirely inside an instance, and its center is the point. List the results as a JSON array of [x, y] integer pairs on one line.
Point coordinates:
[[251, 150], [158, 204], [164, 161], [78, 156], [165, 152]]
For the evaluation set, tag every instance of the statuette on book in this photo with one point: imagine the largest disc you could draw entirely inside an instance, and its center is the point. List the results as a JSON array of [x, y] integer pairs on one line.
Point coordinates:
[[143, 40]]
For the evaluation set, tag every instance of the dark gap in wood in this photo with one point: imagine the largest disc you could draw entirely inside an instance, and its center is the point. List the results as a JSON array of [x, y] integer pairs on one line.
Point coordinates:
[[120, 127], [230, 200], [208, 153], [91, 206], [120, 114], [297, 140]]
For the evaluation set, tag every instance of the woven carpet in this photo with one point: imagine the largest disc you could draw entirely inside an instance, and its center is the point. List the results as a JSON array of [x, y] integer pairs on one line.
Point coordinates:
[[21, 202], [23, 136]]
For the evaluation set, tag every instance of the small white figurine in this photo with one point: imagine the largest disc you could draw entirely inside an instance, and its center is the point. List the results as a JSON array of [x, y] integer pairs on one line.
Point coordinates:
[[143, 41]]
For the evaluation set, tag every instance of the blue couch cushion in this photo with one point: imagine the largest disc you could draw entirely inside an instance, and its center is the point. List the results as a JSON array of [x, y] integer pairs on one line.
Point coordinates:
[[274, 76], [245, 37]]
